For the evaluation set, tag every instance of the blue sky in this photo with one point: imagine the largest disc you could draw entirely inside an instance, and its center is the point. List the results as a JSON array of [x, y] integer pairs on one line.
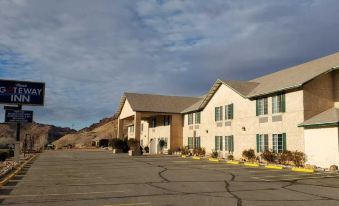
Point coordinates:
[[90, 52]]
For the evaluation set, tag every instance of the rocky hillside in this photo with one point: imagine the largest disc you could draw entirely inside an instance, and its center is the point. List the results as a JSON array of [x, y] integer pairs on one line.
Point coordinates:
[[105, 129], [41, 133]]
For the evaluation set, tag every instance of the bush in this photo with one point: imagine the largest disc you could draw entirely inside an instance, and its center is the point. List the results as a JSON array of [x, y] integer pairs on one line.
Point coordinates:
[[185, 151], [215, 154], [230, 157], [199, 151], [162, 144], [284, 157], [298, 158], [133, 144], [4, 156], [269, 156], [120, 144], [146, 149], [249, 155]]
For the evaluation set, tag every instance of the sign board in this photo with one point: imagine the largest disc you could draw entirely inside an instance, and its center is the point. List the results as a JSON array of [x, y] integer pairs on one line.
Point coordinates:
[[18, 116], [22, 92]]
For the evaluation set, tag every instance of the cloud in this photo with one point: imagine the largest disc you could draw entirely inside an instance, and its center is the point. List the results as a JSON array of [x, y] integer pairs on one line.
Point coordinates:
[[90, 52]]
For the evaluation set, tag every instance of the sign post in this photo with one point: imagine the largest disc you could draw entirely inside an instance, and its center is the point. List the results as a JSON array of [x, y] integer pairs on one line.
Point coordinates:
[[20, 93]]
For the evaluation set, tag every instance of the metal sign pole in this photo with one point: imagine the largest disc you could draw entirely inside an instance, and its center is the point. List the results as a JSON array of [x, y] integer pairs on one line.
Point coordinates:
[[17, 142]]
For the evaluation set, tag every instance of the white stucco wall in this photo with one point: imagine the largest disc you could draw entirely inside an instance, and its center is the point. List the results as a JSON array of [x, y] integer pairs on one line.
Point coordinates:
[[126, 111], [322, 146], [245, 116]]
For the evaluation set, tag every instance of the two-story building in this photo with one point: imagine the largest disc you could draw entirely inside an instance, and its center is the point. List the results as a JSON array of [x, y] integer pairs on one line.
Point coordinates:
[[292, 109]]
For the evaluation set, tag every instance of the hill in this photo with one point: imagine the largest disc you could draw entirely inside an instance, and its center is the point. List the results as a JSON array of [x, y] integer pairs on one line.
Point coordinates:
[[41, 133], [105, 129]]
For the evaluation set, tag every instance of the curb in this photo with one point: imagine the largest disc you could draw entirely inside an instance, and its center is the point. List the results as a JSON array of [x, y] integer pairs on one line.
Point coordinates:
[[11, 175], [251, 164], [233, 162], [276, 167], [183, 156], [298, 169], [196, 158], [213, 160]]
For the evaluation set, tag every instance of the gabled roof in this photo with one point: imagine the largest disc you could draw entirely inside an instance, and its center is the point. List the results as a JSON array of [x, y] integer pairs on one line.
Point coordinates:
[[242, 87], [328, 117], [295, 76], [157, 103]]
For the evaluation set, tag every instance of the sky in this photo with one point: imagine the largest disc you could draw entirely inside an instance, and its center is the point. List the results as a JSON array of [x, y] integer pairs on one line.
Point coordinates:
[[89, 52]]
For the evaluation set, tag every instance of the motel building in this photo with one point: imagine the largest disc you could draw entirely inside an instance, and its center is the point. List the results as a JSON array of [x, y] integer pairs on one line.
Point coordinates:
[[293, 109]]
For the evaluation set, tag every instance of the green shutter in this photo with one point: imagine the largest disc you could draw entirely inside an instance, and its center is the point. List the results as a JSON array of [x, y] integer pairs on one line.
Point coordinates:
[[283, 103], [257, 107], [284, 142], [221, 144], [266, 142], [258, 136], [221, 114], [232, 143], [215, 113], [232, 111], [216, 143], [266, 105]]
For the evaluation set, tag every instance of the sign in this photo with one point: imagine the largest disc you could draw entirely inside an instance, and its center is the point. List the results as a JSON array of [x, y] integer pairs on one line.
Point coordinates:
[[18, 116], [22, 92]]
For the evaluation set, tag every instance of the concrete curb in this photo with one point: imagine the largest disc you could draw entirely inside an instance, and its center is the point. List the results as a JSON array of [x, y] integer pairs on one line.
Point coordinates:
[[213, 160], [298, 169], [196, 158], [13, 174], [251, 164], [276, 167], [233, 162], [183, 156]]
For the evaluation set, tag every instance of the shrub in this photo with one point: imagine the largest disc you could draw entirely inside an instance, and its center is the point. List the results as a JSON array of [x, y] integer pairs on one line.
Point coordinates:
[[146, 149], [162, 144], [249, 154], [214, 154], [133, 144], [4, 156], [199, 151], [120, 144], [230, 157], [284, 157], [185, 151], [298, 158], [269, 156]]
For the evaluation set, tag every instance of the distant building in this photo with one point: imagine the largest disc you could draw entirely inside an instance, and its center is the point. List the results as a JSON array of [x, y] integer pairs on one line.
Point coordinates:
[[292, 109]]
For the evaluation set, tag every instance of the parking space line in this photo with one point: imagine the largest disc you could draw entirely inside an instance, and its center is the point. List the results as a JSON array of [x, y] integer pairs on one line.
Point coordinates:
[[58, 194], [130, 204]]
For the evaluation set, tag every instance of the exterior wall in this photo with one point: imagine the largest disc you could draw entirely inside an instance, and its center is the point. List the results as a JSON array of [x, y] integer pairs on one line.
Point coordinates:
[[322, 146], [245, 117], [144, 133], [176, 131], [318, 95], [160, 131], [336, 87], [126, 110]]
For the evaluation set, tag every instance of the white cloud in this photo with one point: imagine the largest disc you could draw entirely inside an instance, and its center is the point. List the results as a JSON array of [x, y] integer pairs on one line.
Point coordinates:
[[89, 52]]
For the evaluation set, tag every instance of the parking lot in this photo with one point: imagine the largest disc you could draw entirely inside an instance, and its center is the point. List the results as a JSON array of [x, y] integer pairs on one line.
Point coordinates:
[[100, 178]]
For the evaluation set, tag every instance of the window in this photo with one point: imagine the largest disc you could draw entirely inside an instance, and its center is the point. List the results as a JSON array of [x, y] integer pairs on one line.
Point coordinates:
[[190, 142], [262, 142], [190, 118], [262, 106], [166, 120], [196, 142], [218, 113], [229, 111], [278, 103], [197, 117], [229, 144], [218, 143], [131, 129], [279, 142], [154, 122], [142, 127]]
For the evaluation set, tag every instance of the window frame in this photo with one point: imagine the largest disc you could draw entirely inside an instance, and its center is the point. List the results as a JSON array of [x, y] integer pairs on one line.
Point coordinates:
[[218, 114], [190, 119], [229, 112], [197, 119], [262, 106], [167, 120]]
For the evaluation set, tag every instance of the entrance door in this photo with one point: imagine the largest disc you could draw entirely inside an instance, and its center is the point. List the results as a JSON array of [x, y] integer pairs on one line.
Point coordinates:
[[153, 146]]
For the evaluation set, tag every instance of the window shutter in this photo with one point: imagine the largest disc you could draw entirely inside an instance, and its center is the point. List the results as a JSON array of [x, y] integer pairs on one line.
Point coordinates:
[[216, 143], [215, 113], [257, 107], [283, 103], [284, 142], [258, 146], [221, 144], [232, 110], [232, 143], [266, 105], [266, 142], [221, 114]]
